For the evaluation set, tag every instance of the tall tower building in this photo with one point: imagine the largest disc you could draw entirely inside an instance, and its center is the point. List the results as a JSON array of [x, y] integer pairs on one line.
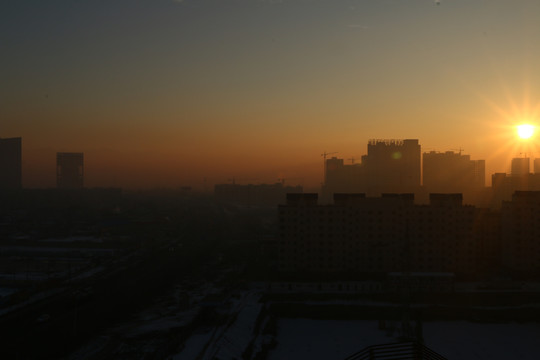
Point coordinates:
[[333, 170], [70, 170], [451, 172], [393, 165], [537, 166], [10, 163], [520, 166]]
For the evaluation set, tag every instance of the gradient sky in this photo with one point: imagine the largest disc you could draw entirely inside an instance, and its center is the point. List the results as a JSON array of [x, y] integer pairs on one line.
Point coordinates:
[[168, 93]]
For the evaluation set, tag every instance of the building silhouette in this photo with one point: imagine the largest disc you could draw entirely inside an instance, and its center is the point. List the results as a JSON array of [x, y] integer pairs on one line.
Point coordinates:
[[390, 166], [520, 166], [537, 166], [393, 166], [369, 235], [342, 178], [10, 163], [451, 172], [520, 232], [69, 170], [503, 186]]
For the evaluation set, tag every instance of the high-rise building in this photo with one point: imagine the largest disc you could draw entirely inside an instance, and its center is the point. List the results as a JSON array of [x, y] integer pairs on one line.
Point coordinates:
[[520, 231], [537, 166], [520, 166], [70, 170], [393, 166], [520, 179], [451, 172], [10, 163], [390, 166], [333, 170], [341, 178]]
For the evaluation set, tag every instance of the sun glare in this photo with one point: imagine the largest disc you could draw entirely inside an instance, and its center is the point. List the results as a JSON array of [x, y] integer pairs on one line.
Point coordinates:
[[525, 131]]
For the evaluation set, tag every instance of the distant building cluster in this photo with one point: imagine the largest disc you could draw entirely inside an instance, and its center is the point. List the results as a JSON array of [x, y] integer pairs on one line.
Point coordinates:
[[358, 234], [520, 179], [389, 166], [397, 166]]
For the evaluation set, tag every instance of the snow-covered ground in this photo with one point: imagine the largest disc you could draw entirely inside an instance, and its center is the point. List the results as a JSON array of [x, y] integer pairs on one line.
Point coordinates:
[[236, 337], [459, 340], [230, 340], [194, 346]]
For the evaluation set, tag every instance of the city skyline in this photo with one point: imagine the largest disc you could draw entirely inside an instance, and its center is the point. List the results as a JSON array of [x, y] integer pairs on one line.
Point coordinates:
[[525, 168], [270, 179], [387, 150], [170, 93]]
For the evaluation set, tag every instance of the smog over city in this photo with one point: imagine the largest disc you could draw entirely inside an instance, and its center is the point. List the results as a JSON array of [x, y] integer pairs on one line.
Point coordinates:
[[270, 179]]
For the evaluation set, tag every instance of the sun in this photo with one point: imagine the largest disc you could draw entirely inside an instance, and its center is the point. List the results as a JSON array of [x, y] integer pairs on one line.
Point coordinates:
[[525, 131]]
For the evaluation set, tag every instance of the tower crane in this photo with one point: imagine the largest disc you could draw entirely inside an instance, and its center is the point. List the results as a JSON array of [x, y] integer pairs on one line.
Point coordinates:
[[325, 154]]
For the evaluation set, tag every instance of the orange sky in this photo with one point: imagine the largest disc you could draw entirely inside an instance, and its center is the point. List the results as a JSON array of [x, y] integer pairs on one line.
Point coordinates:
[[167, 93]]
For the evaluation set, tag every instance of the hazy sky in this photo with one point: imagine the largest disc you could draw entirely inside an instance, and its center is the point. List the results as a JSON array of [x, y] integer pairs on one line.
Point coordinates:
[[167, 93]]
